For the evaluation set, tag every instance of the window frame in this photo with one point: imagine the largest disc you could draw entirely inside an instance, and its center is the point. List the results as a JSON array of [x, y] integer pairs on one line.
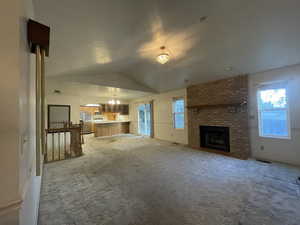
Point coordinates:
[[49, 106], [174, 113], [259, 110]]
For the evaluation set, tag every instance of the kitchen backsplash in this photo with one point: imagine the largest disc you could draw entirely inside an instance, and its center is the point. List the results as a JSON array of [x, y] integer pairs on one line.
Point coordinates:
[[123, 117], [111, 116]]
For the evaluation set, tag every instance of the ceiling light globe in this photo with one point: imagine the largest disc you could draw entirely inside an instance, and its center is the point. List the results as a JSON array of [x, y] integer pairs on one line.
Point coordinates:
[[163, 58]]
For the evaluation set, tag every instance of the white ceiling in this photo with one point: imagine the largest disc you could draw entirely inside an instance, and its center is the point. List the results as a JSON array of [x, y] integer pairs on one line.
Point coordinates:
[[87, 90], [115, 42]]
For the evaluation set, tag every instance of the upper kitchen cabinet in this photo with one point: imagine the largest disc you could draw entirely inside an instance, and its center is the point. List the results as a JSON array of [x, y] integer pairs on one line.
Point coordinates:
[[101, 108], [123, 109]]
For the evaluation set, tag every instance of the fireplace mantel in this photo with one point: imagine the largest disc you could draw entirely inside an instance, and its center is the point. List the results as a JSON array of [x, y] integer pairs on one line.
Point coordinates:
[[221, 105]]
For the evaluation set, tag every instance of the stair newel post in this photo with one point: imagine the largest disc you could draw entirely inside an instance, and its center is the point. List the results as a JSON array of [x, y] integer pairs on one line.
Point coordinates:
[[43, 97], [38, 39], [38, 110]]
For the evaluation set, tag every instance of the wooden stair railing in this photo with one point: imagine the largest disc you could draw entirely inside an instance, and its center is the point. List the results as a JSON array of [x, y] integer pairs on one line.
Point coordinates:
[[63, 143]]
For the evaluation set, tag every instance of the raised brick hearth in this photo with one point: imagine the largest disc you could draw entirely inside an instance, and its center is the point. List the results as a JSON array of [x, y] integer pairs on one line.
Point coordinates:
[[220, 103]]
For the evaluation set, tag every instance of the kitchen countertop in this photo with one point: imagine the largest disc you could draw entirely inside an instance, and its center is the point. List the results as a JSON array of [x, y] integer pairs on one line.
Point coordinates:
[[111, 121]]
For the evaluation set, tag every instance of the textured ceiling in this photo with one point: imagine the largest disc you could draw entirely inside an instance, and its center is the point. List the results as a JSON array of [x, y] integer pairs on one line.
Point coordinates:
[[89, 90], [115, 42]]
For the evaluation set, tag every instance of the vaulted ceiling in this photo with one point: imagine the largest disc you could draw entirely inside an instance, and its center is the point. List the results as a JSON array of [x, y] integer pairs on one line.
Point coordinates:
[[115, 42], [88, 90]]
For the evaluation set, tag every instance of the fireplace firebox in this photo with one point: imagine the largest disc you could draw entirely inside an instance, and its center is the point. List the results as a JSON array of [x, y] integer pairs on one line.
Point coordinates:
[[215, 137]]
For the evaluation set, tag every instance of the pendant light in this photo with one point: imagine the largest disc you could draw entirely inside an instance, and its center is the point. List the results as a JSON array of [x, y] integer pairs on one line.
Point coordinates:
[[113, 101], [163, 57]]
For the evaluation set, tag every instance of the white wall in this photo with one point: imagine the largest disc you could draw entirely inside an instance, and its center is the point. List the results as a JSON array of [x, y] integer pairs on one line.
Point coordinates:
[[19, 186], [163, 119], [9, 120], [280, 150], [30, 184], [66, 100], [75, 102]]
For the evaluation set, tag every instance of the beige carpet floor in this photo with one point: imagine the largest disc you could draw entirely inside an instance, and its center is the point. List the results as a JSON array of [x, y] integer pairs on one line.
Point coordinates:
[[129, 180]]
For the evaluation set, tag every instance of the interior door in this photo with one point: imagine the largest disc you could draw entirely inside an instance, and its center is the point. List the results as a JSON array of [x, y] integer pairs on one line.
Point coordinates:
[[144, 119]]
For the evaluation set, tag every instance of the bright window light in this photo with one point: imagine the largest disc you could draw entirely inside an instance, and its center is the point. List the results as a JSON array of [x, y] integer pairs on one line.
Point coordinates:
[[273, 112], [178, 113]]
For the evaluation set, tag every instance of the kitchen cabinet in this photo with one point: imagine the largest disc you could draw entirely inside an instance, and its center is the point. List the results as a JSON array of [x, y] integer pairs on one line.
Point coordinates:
[[123, 109], [111, 128]]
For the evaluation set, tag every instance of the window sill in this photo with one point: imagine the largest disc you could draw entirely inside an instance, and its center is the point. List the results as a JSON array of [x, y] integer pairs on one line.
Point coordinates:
[[276, 137]]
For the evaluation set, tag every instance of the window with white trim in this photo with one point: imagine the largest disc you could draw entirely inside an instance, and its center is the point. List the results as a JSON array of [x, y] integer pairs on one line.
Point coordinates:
[[178, 113], [273, 111]]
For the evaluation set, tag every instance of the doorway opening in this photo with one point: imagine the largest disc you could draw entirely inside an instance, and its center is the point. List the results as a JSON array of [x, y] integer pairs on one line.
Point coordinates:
[[144, 119]]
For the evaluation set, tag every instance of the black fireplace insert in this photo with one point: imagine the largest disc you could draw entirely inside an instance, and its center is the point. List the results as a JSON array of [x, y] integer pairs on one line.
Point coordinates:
[[215, 137]]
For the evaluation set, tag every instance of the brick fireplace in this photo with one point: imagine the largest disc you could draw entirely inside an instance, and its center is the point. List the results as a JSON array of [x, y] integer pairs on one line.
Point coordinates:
[[215, 137], [218, 116]]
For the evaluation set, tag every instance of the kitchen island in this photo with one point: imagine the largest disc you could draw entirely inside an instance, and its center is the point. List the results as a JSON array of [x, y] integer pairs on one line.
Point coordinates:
[[109, 128]]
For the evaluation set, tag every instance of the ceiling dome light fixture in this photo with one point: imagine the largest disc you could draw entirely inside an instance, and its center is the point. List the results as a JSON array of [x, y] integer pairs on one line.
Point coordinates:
[[113, 102], [163, 57]]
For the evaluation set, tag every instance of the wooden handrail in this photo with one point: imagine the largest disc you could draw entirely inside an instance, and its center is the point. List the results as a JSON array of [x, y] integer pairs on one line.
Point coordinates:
[[61, 130], [58, 148]]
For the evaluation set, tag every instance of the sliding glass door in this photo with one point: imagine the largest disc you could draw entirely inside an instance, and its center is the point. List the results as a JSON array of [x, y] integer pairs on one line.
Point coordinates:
[[144, 113]]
